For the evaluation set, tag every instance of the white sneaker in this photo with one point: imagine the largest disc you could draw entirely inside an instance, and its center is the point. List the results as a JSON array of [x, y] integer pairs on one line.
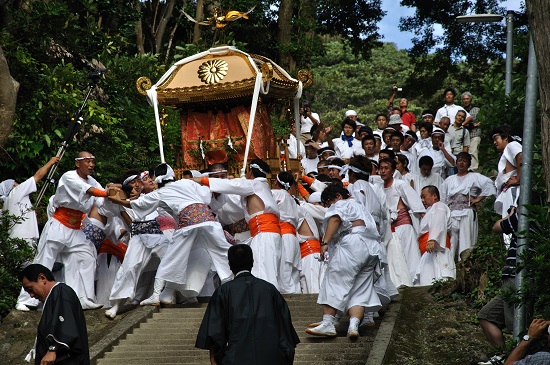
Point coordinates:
[[353, 332], [152, 300], [324, 329], [88, 304], [495, 360], [22, 307]]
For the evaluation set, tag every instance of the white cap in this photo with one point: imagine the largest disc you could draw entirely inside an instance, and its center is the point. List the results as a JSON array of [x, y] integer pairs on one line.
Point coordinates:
[[350, 113]]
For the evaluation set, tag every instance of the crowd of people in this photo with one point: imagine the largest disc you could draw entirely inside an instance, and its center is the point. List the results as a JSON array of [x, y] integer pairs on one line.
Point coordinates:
[[372, 211]]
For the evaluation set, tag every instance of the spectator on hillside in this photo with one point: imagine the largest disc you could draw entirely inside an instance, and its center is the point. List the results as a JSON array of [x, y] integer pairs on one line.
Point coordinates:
[[293, 145], [538, 330], [381, 121], [346, 146], [426, 176], [425, 138], [307, 120], [441, 156], [319, 133], [407, 149], [450, 109], [369, 146], [509, 168], [473, 127], [499, 314], [427, 117]]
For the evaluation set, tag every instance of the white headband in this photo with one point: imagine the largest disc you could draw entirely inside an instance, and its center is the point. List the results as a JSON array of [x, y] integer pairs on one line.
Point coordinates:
[[334, 167], [129, 178], [283, 184], [255, 166], [358, 171], [167, 177], [217, 172], [143, 174], [85, 158]]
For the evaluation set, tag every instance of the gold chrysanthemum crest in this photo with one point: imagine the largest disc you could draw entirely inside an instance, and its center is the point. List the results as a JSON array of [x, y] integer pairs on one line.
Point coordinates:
[[213, 71]]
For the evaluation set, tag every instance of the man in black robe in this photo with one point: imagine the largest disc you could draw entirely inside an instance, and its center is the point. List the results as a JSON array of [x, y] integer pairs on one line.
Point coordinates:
[[61, 336], [247, 320]]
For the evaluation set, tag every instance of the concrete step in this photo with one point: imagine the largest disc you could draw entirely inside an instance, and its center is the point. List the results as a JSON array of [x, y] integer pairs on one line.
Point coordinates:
[[168, 337]]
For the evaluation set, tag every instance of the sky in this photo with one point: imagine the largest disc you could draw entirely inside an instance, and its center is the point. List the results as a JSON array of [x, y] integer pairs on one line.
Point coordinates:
[[389, 24]]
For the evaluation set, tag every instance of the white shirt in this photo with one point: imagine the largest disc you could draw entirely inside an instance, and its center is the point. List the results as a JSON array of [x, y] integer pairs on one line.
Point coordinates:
[[18, 203], [449, 111]]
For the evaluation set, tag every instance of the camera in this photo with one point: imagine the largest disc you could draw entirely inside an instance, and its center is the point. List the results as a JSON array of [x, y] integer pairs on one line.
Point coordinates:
[[395, 88]]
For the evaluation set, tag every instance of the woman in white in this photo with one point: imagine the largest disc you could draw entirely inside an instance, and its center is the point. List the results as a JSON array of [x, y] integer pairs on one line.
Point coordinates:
[[462, 192], [355, 253]]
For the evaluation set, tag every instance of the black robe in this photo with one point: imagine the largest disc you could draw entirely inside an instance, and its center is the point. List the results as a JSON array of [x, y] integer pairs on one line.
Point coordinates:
[[64, 325], [248, 322]]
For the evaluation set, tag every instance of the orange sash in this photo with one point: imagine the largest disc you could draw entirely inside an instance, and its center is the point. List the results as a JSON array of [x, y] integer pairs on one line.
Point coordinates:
[[70, 218], [423, 241], [287, 228], [310, 246], [266, 222], [118, 250]]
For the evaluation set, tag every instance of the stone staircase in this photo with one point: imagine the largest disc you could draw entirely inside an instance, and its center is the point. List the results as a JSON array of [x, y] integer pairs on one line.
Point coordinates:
[[168, 337]]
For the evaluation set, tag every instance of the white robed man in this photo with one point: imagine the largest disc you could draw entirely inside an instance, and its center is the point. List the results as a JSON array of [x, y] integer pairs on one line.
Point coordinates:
[[364, 192], [400, 200], [462, 192], [262, 214], [187, 201], [509, 169], [434, 241], [228, 209], [354, 247], [290, 264], [63, 240], [16, 202]]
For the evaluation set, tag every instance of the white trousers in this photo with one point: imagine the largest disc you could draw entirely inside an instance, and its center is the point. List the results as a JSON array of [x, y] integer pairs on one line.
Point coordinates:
[[173, 267], [78, 255], [290, 265], [136, 259], [409, 243], [312, 274], [463, 233], [266, 248]]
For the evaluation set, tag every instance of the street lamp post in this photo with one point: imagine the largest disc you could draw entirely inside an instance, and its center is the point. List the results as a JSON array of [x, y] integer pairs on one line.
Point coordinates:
[[492, 18]]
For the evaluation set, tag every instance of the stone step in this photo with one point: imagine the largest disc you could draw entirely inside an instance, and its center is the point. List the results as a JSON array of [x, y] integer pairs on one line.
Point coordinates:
[[168, 337]]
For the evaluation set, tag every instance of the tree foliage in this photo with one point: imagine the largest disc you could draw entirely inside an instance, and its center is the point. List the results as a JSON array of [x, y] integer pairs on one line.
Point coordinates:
[[441, 44], [14, 253]]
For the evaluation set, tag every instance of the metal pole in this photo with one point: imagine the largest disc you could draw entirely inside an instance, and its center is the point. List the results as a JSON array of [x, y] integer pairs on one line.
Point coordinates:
[[509, 51], [529, 127]]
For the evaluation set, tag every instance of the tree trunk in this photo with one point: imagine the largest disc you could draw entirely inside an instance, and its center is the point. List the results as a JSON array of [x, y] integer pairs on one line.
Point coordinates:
[[539, 13], [8, 99], [159, 32], [199, 16], [139, 30], [284, 24]]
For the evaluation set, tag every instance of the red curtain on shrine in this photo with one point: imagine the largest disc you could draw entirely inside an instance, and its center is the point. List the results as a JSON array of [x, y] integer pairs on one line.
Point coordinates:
[[214, 128]]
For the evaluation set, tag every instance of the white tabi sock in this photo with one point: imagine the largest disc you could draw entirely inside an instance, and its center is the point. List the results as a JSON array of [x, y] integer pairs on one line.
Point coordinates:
[[328, 318], [353, 322]]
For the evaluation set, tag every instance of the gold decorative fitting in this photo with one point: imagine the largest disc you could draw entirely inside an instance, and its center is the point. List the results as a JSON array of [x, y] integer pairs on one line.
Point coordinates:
[[306, 77], [267, 72], [143, 84], [213, 71]]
